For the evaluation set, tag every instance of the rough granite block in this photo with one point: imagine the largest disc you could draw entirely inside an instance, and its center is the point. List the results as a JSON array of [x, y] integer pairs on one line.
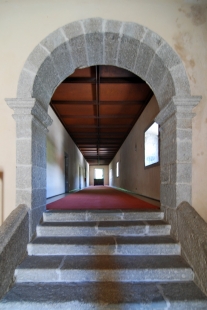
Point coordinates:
[[41, 93], [171, 218], [144, 57], [180, 80], [24, 177], [165, 91], [112, 26], [24, 152], [192, 234], [152, 40], [53, 40], [94, 46], [155, 73], [63, 61], [184, 151], [14, 236], [181, 173], [168, 56], [36, 59], [48, 76], [25, 84], [93, 25], [134, 31], [111, 44], [127, 52], [79, 51]]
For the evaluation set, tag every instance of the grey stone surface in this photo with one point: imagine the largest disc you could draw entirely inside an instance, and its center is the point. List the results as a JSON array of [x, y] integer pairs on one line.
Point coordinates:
[[103, 268], [32, 121], [23, 177], [127, 53], [25, 84], [165, 174], [153, 40], [111, 296], [165, 91], [63, 61], [171, 218], [112, 26], [149, 261], [144, 57], [35, 217], [181, 173], [103, 228], [184, 151], [100, 215], [180, 80], [134, 31], [79, 51], [112, 38], [93, 25], [169, 57], [48, 76], [53, 40], [41, 93], [73, 30], [111, 42], [192, 234], [155, 73], [103, 246], [24, 152], [94, 47], [14, 236], [94, 36]]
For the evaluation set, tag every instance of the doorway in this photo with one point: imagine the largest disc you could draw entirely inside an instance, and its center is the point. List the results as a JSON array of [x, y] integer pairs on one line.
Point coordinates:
[[66, 173], [98, 176]]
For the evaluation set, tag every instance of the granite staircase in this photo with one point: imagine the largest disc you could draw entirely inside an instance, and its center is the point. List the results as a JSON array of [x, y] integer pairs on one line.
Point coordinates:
[[103, 260]]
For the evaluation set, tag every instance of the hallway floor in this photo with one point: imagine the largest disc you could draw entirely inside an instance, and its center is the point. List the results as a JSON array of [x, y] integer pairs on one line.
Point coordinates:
[[101, 198]]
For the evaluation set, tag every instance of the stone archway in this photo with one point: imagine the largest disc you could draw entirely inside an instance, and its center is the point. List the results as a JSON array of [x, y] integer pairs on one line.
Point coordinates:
[[91, 42]]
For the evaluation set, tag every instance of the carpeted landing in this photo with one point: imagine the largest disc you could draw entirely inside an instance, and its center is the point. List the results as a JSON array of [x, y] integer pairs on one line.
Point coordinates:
[[102, 198]]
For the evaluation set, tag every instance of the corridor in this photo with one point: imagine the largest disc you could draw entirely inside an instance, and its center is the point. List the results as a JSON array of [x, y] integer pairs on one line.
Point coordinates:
[[104, 198]]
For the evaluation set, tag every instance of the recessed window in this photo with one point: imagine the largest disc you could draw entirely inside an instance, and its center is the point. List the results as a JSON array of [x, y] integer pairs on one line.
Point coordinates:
[[117, 169], [151, 145]]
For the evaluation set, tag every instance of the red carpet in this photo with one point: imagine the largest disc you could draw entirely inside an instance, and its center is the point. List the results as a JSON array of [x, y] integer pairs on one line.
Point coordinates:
[[100, 197]]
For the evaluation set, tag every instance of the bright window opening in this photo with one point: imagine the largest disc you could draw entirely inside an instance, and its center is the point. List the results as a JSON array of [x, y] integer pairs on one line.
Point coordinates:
[[99, 174], [117, 169], [152, 145]]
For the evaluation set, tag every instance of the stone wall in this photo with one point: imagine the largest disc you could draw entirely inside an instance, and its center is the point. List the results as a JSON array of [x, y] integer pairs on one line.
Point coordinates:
[[191, 231], [14, 236]]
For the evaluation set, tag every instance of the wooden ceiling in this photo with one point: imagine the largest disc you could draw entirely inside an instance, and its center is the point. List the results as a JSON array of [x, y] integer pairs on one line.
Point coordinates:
[[98, 106]]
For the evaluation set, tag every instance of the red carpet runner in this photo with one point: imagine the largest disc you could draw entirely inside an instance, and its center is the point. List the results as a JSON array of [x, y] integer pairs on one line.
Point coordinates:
[[100, 197]]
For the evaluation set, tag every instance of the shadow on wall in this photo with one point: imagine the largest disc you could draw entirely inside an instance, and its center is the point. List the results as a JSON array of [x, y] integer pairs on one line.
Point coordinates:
[[1, 197]]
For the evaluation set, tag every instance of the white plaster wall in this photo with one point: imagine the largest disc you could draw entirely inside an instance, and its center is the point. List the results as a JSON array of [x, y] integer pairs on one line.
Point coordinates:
[[24, 23], [59, 142], [92, 173], [132, 174]]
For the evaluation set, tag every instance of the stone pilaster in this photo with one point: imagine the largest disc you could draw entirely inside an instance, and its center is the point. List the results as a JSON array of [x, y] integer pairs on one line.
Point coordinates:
[[31, 128], [176, 150]]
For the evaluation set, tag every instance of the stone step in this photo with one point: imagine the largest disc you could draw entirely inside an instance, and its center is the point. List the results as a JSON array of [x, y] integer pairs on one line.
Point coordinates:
[[117, 228], [101, 268], [148, 245], [101, 215], [104, 295]]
